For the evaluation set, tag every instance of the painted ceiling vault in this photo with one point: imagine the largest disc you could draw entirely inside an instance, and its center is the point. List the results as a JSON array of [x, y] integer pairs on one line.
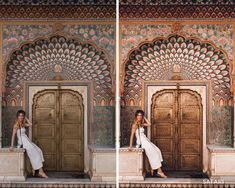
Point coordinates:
[[197, 60], [71, 58]]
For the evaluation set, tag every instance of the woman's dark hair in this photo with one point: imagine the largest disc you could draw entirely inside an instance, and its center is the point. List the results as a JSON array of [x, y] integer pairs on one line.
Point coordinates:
[[139, 112], [20, 112]]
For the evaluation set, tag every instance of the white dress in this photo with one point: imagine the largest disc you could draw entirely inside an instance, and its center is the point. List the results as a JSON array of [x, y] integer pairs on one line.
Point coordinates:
[[33, 151], [152, 151]]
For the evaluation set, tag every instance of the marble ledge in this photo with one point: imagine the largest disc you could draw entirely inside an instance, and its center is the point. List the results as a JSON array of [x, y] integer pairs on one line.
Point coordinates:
[[125, 149], [101, 149], [15, 150], [218, 148]]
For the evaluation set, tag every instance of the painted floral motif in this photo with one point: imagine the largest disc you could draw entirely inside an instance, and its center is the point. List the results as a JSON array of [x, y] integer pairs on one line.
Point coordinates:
[[14, 35], [221, 35], [101, 35], [132, 35]]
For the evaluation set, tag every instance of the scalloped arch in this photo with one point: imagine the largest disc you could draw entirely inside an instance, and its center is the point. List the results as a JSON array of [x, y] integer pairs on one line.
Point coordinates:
[[199, 60], [79, 60]]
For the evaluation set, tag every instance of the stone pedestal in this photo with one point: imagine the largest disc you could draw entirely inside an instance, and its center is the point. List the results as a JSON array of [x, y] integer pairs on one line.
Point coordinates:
[[102, 164], [131, 164], [12, 165], [222, 163]]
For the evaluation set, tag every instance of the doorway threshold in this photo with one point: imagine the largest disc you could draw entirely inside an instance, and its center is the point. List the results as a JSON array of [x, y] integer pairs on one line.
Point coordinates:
[[62, 176], [181, 174]]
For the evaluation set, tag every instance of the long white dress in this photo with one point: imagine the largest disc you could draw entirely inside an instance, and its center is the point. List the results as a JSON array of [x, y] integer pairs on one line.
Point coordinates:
[[33, 151], [152, 151]]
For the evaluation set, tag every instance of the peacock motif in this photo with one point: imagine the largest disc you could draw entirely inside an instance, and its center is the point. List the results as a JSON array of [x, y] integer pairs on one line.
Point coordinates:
[[71, 58], [197, 61]]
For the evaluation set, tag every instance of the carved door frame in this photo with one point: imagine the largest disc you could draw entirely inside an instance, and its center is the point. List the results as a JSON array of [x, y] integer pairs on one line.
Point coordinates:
[[205, 86], [86, 88]]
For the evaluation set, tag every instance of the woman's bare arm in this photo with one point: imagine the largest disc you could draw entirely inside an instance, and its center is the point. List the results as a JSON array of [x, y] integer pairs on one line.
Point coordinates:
[[28, 123], [132, 135], [13, 137], [146, 122]]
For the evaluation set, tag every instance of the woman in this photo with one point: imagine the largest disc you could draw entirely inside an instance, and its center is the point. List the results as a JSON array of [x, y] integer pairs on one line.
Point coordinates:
[[153, 152], [34, 152]]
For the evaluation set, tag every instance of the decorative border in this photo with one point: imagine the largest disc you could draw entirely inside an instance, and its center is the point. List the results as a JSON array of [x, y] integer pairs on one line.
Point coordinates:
[[57, 2], [44, 12], [159, 184], [61, 185], [145, 12], [177, 2]]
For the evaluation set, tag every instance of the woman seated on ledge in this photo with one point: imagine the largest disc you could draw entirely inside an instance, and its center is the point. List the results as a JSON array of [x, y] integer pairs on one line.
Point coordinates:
[[34, 152], [153, 152]]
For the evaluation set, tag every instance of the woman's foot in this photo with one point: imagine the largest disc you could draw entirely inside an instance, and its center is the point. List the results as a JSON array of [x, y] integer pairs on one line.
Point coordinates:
[[161, 174], [33, 173], [42, 175], [152, 172]]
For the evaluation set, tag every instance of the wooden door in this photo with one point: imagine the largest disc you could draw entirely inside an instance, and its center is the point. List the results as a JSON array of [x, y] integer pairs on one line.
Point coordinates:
[[72, 131], [58, 129], [177, 128]]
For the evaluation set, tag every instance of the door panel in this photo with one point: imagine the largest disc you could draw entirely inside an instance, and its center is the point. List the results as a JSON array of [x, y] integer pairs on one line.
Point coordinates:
[[72, 131], [163, 126], [176, 128], [44, 126], [190, 129], [58, 129]]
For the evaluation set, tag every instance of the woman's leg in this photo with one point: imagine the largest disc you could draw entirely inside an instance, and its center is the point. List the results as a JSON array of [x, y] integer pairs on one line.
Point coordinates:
[[151, 171]]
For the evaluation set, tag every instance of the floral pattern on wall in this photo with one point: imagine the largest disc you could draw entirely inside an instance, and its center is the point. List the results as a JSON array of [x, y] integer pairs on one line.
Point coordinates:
[[221, 35], [102, 35], [132, 35], [14, 35]]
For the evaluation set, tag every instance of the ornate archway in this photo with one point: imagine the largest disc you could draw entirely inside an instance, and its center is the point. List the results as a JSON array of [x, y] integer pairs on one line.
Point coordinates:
[[198, 60], [60, 57]]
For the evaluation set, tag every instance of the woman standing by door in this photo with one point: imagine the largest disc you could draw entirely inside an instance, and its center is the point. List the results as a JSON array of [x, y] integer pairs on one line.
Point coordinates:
[[152, 151], [33, 151]]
